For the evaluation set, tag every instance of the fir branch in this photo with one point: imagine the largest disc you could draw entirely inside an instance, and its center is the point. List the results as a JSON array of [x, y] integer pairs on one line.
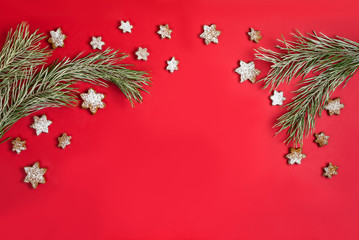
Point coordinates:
[[333, 61]]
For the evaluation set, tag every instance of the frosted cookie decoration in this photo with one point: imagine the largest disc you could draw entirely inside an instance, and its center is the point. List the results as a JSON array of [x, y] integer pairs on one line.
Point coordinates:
[[330, 170], [172, 65], [35, 175], [247, 71], [57, 38], [255, 36], [125, 27], [97, 43], [165, 31], [18, 145], [142, 54], [321, 139], [334, 106], [41, 124], [277, 98], [92, 100], [64, 140], [210, 34], [295, 155]]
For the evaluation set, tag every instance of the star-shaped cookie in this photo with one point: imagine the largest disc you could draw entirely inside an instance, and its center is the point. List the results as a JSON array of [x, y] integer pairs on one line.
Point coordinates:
[[97, 42], [125, 26], [41, 124], [92, 100], [57, 38], [164, 31], [64, 140], [18, 145], [255, 36], [295, 155], [277, 98], [172, 65], [142, 54], [247, 71], [321, 139], [35, 175], [333, 106], [210, 34], [330, 170]]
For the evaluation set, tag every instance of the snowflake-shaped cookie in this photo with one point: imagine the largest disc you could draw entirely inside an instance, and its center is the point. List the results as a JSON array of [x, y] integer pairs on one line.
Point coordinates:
[[210, 34], [18, 145], [35, 175], [321, 139], [142, 54], [41, 124], [334, 106], [255, 36], [97, 42], [330, 170], [57, 38], [172, 65], [277, 98], [64, 140], [125, 26], [295, 156], [92, 100], [247, 71], [164, 31]]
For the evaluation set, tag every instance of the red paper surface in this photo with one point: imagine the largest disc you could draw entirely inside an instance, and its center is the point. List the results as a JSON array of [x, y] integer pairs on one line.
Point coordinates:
[[196, 160]]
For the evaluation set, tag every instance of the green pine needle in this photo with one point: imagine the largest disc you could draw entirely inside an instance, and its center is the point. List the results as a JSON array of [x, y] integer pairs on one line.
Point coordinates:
[[333, 61]]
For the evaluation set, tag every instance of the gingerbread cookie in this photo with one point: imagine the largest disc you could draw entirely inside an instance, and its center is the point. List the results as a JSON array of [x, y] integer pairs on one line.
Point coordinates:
[[92, 100], [247, 71], [334, 106], [64, 140], [125, 27], [41, 124], [255, 36], [97, 43], [172, 65], [18, 145], [330, 170], [35, 175], [57, 38], [142, 54], [295, 156], [277, 98], [210, 34], [321, 139], [165, 31]]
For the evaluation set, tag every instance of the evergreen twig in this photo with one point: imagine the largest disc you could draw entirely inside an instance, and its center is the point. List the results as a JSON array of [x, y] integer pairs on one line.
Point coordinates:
[[21, 50], [33, 88], [332, 60]]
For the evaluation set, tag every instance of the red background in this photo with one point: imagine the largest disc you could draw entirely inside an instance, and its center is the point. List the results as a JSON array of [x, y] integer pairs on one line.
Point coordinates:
[[196, 160]]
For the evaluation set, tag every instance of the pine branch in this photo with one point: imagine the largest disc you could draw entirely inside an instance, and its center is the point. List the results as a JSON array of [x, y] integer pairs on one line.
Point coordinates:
[[333, 61], [21, 51], [53, 86], [25, 87]]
